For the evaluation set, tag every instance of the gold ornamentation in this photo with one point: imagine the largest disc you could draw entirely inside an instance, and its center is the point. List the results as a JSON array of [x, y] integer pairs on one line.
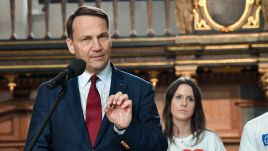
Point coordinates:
[[253, 21], [153, 77], [217, 61], [200, 24], [11, 82], [186, 70], [249, 19]]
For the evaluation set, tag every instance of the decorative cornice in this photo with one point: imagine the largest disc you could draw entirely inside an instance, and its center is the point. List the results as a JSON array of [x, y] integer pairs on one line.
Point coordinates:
[[251, 103], [60, 66], [30, 42], [209, 47], [117, 42], [144, 64], [221, 38], [226, 47], [218, 61], [55, 66], [13, 106], [186, 70], [145, 39], [36, 58]]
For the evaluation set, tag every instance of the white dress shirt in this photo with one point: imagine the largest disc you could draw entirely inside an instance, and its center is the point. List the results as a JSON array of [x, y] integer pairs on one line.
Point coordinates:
[[103, 85]]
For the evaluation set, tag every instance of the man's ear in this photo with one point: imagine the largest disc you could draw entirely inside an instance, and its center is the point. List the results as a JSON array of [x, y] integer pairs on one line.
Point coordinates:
[[70, 45]]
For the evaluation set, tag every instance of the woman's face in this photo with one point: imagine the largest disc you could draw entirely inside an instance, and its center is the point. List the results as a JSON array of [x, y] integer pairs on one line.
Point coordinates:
[[183, 103]]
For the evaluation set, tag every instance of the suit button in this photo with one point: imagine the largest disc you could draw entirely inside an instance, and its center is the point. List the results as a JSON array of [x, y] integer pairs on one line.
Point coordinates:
[[125, 144]]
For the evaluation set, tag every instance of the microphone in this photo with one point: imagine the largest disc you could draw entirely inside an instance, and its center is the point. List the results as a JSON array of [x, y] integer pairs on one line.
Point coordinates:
[[75, 68]]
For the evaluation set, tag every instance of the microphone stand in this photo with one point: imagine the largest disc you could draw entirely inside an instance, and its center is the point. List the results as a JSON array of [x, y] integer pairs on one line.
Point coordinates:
[[60, 95]]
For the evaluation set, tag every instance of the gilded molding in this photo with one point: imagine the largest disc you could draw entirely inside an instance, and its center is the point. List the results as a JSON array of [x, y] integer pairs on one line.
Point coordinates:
[[53, 66], [222, 38], [31, 42], [178, 48], [145, 39], [200, 24], [144, 64], [208, 47], [150, 64], [253, 21], [56, 66], [249, 19], [11, 81], [186, 70], [260, 45], [229, 46], [151, 39], [263, 59], [153, 74], [218, 61], [36, 57]]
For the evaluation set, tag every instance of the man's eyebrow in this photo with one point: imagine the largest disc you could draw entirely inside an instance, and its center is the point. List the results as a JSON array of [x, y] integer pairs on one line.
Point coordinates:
[[104, 33], [85, 36]]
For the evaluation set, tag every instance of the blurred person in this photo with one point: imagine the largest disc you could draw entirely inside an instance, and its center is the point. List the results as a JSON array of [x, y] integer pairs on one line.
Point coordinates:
[[184, 119], [255, 134]]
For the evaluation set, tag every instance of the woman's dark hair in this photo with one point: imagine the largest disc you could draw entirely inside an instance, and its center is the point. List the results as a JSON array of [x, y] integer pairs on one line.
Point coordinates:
[[198, 120], [85, 11]]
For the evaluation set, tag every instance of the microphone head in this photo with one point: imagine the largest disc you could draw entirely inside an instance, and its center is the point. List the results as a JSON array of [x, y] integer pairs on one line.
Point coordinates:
[[77, 66]]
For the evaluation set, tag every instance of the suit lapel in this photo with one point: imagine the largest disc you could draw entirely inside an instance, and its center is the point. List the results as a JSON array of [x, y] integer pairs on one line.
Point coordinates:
[[117, 84], [74, 105]]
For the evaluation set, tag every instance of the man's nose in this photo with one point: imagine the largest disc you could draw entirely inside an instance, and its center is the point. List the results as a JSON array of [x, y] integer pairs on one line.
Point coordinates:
[[96, 45]]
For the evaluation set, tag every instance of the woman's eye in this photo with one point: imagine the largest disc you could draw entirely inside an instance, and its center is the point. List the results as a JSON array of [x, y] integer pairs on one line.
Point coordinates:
[[177, 97], [191, 99]]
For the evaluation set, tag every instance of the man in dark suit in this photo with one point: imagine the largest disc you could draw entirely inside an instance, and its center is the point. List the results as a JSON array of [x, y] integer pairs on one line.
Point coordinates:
[[125, 116]]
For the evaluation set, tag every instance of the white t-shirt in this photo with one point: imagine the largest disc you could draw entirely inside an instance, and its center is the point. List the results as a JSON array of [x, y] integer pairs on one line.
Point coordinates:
[[210, 141], [255, 134]]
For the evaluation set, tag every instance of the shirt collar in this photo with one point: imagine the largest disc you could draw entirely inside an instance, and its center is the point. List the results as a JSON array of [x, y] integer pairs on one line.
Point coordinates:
[[102, 75]]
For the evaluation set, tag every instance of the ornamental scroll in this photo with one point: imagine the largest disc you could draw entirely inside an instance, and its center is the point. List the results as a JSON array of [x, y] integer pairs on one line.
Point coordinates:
[[222, 16]]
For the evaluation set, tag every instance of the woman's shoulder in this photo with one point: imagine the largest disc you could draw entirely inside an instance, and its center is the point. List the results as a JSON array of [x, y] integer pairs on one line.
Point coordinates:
[[211, 134], [214, 140]]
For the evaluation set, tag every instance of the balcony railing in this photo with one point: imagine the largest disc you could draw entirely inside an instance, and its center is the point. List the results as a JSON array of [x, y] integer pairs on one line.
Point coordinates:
[[36, 19]]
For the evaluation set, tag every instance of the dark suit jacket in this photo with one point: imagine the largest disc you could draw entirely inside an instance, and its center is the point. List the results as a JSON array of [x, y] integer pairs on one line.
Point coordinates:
[[66, 130]]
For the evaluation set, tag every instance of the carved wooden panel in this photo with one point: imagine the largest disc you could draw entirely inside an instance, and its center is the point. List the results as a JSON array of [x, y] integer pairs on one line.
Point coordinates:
[[8, 128], [14, 122], [223, 116]]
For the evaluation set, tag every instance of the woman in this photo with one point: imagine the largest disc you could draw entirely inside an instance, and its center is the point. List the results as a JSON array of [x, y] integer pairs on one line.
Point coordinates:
[[184, 119]]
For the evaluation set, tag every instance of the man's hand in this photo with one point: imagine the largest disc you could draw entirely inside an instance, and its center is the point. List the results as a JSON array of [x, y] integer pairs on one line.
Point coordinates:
[[119, 110]]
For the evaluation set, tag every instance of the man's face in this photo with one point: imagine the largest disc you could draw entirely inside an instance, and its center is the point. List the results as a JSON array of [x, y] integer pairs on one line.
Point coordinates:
[[91, 42]]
